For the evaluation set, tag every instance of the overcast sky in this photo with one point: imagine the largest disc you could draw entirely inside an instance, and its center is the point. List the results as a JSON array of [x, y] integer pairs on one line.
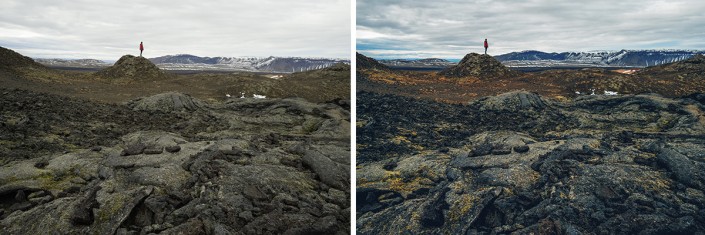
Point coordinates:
[[109, 29], [453, 28]]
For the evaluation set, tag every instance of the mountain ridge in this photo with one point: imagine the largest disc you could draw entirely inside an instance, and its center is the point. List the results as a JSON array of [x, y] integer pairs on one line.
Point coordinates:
[[626, 58], [194, 62]]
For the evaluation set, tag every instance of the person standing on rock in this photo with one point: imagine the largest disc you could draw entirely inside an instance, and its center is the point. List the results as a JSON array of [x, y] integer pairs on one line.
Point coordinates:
[[142, 48], [486, 45]]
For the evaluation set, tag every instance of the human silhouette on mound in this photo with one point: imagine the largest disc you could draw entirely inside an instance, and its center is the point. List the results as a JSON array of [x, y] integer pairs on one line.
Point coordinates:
[[142, 49], [486, 45]]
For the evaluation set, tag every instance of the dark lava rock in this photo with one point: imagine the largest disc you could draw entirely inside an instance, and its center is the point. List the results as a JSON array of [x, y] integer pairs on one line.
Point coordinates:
[[684, 170], [368, 199], [432, 214], [173, 149], [330, 172], [628, 164], [513, 102], [20, 196], [82, 213], [133, 149], [41, 164], [389, 166], [521, 149], [482, 150], [501, 151], [153, 150]]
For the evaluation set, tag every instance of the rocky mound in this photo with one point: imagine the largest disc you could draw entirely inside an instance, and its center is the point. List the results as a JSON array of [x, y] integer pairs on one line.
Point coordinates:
[[364, 62], [248, 166], [597, 165], [130, 67], [515, 101], [477, 65], [167, 102], [12, 59]]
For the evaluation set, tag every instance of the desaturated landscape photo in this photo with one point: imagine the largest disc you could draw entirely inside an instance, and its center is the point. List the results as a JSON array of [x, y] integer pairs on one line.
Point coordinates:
[[110, 123], [580, 118]]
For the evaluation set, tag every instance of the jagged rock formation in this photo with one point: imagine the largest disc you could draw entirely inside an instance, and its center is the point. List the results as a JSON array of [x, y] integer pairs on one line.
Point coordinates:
[[167, 102], [245, 166], [477, 65], [364, 62], [519, 163], [130, 67], [511, 101]]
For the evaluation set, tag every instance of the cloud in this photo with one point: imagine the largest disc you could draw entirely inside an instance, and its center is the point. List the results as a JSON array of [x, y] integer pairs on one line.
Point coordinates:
[[455, 28], [109, 29]]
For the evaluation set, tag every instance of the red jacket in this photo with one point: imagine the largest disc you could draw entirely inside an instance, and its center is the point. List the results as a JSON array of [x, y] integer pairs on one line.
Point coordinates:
[[142, 47], [486, 44]]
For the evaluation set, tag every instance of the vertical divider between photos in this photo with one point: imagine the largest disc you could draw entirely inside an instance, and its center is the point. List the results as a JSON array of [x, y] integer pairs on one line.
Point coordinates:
[[353, 118]]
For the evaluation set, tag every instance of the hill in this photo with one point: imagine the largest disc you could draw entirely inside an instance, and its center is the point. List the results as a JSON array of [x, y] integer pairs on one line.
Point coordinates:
[[364, 62], [477, 65], [10, 59], [131, 67]]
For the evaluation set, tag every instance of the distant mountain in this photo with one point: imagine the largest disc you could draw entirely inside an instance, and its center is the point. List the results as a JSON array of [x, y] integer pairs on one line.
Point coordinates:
[[254, 64], [76, 63], [625, 58], [429, 62]]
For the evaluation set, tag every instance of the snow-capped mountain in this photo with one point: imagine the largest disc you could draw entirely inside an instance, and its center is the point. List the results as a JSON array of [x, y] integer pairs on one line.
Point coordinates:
[[254, 64], [622, 58], [78, 63], [428, 62]]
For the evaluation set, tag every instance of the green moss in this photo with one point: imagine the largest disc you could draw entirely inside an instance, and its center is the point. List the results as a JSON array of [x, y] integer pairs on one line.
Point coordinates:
[[111, 207]]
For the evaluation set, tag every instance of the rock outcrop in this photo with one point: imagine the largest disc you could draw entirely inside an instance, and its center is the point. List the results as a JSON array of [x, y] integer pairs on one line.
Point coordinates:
[[480, 66], [130, 67], [519, 163]]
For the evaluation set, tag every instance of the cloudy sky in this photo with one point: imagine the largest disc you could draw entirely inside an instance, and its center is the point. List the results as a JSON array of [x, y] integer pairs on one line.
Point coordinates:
[[453, 28], [109, 29]]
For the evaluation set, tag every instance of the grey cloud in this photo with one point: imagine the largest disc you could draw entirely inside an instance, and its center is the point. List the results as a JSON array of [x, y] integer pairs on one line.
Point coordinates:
[[549, 25], [109, 29]]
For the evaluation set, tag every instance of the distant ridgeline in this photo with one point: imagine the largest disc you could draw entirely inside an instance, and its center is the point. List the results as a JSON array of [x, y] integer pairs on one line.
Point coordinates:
[[192, 62], [254, 64], [623, 58]]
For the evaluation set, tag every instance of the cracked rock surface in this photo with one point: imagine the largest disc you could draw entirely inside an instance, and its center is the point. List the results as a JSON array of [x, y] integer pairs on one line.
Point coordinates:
[[518, 163], [172, 164]]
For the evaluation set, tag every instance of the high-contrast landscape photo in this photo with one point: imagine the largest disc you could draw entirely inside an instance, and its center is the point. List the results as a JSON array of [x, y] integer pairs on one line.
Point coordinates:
[[571, 118], [225, 117]]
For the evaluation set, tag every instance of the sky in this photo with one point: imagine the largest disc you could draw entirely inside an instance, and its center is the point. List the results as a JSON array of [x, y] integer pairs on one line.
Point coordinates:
[[452, 28], [106, 30]]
